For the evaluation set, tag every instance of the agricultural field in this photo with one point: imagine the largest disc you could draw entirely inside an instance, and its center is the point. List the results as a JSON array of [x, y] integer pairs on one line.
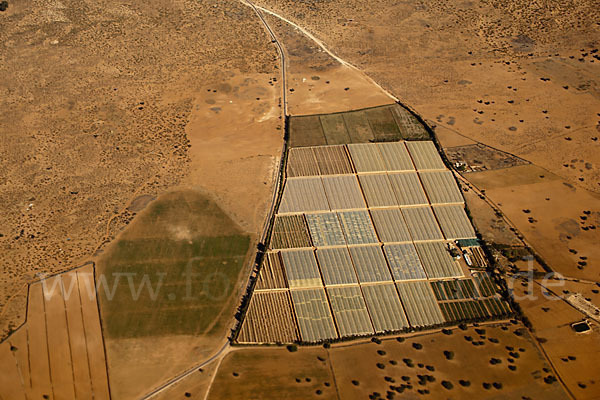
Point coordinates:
[[272, 317], [59, 351], [170, 283], [363, 220], [389, 123]]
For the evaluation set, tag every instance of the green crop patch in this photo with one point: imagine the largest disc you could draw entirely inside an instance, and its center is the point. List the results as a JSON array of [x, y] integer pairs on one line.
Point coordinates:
[[169, 274], [388, 123], [383, 124]]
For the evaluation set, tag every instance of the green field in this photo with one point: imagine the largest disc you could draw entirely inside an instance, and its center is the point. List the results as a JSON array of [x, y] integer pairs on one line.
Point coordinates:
[[387, 123], [173, 270]]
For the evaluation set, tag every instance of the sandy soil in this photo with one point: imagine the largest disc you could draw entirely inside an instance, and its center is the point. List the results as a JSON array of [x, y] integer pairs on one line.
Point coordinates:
[[552, 215], [317, 83], [196, 384], [236, 136], [59, 352], [362, 368], [97, 112], [269, 373], [574, 355]]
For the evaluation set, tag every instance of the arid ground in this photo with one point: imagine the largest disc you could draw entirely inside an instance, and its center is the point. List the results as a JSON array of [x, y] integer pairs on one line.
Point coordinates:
[[110, 110]]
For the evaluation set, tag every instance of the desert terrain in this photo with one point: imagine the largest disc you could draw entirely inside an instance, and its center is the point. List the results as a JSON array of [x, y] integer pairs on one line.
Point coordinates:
[[134, 134]]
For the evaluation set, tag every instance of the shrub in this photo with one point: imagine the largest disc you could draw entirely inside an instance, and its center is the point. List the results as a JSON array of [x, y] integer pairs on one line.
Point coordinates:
[[292, 348], [3, 5], [448, 354], [417, 346], [448, 385]]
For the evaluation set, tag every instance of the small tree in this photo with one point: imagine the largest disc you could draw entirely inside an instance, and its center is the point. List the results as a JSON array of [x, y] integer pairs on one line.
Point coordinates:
[[3, 5]]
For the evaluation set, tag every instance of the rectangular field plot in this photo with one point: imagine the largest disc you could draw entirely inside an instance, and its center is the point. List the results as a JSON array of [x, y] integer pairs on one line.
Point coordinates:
[[302, 162], [334, 129], [378, 190], [437, 261], [454, 290], [358, 127], [301, 268], [366, 157], [383, 124], [419, 303], [313, 315], [303, 194], [390, 226], [271, 274], [290, 231], [404, 261], [306, 131], [384, 307], [454, 222], [441, 188], [395, 156], [336, 266], [357, 227], [421, 223], [325, 229], [408, 189], [410, 127], [370, 264], [485, 285], [425, 156], [350, 311], [497, 307], [269, 319], [469, 310], [343, 192], [332, 160]]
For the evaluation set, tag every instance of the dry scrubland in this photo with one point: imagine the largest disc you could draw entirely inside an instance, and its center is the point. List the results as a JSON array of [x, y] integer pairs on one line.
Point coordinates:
[[516, 75], [318, 83], [101, 103], [492, 360]]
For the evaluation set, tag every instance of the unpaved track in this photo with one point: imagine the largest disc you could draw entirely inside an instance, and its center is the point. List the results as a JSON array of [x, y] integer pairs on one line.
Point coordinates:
[[321, 45]]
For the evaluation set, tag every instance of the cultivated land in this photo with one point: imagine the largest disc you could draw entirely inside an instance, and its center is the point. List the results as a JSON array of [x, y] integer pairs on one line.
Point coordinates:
[[183, 257], [338, 198], [59, 351]]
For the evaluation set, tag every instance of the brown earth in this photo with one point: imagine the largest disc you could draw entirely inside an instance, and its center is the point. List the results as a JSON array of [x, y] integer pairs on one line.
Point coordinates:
[[551, 214], [97, 112], [574, 355], [59, 351], [317, 83], [356, 370]]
